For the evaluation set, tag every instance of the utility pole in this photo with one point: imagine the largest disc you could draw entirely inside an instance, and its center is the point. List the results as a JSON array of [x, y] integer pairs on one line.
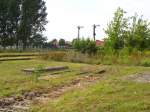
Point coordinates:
[[79, 27], [94, 31]]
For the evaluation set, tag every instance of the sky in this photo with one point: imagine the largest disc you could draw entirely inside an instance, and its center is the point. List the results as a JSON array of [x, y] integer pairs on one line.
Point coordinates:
[[65, 15]]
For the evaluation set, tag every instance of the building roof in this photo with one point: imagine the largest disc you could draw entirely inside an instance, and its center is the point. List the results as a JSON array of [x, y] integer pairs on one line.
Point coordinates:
[[100, 42]]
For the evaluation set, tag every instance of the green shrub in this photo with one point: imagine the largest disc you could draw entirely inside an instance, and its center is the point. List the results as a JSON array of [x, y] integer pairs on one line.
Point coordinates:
[[85, 46], [145, 64]]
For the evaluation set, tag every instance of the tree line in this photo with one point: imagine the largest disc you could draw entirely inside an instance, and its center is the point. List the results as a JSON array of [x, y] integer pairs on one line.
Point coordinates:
[[122, 33], [128, 32], [22, 23]]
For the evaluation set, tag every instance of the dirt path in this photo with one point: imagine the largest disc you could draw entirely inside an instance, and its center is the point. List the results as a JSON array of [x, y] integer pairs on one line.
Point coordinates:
[[23, 104], [140, 77]]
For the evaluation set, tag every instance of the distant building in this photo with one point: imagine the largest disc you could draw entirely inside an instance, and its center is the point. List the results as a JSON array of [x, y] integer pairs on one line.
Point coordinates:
[[67, 45], [54, 43], [100, 42]]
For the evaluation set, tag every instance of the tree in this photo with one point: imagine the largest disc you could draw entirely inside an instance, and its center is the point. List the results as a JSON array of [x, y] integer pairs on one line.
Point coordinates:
[[4, 23], [38, 40], [33, 20], [133, 32], [62, 42], [21, 21], [9, 21], [116, 30], [139, 34], [14, 19]]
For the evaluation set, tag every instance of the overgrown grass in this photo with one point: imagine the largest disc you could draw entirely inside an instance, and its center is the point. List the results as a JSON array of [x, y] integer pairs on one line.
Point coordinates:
[[14, 81], [122, 58], [2, 55], [110, 95]]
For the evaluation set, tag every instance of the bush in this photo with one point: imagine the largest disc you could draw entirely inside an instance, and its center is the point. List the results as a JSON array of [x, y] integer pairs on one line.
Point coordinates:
[[145, 64], [85, 46]]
